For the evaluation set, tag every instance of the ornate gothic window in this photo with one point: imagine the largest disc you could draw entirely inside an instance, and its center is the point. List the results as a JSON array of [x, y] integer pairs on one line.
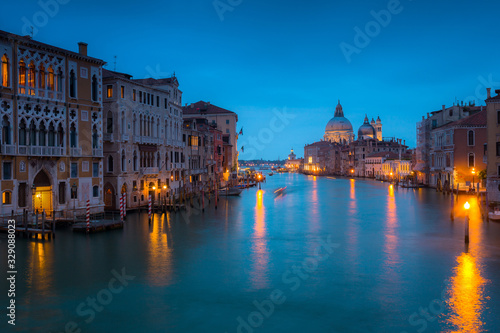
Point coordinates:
[[5, 71]]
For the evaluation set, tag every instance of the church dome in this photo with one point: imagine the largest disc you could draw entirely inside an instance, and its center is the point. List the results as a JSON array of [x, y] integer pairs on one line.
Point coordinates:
[[366, 130], [339, 124]]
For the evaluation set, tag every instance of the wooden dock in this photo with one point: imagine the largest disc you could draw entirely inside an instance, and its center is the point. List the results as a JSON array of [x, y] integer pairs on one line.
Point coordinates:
[[98, 225]]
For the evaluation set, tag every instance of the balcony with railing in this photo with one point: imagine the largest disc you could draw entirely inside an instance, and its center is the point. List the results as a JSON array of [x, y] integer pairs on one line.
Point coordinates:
[[41, 151], [97, 152], [108, 137], [150, 171], [8, 149], [76, 151], [125, 137]]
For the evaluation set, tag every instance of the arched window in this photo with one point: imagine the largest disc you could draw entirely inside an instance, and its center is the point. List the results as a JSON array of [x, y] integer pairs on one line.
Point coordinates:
[[152, 127], [41, 135], [60, 136], [135, 160], [124, 165], [140, 125], [134, 122], [110, 163], [94, 88], [7, 197], [22, 133], [472, 160], [95, 137], [72, 136], [22, 77], [52, 135], [5, 71], [95, 191], [470, 138], [109, 123], [72, 84], [31, 78], [158, 160], [50, 78], [59, 84], [41, 77], [158, 128], [32, 133], [5, 130]]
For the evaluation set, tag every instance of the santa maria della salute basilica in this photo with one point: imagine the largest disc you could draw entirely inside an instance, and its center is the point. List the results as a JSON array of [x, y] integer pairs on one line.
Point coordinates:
[[366, 153], [339, 128]]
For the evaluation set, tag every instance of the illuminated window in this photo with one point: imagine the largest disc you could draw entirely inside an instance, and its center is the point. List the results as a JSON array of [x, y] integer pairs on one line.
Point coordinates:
[[310, 159], [51, 81], [22, 77], [122, 92], [134, 93], [41, 77], [5, 71], [7, 197], [31, 78], [109, 93]]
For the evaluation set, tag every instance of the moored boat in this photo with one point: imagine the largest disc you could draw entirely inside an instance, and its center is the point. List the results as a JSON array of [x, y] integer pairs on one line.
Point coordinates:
[[495, 216], [230, 191]]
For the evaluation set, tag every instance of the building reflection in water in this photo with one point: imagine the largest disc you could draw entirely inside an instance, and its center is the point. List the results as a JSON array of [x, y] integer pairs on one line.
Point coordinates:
[[40, 270], [466, 296], [159, 260], [260, 254], [353, 229]]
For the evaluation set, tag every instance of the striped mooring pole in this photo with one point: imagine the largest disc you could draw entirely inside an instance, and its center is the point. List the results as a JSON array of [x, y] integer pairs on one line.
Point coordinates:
[[88, 216], [121, 208], [149, 209], [124, 205]]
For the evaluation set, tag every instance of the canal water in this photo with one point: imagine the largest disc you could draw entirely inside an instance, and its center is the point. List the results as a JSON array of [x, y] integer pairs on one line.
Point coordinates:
[[328, 255]]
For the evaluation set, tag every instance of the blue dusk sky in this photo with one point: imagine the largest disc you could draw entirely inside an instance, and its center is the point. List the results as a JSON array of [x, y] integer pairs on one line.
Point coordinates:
[[282, 65]]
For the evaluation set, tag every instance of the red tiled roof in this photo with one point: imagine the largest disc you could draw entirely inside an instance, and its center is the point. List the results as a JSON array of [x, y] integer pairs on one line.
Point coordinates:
[[204, 108], [476, 120]]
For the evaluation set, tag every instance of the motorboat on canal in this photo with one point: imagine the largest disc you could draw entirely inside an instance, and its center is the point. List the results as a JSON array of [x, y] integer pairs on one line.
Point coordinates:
[[230, 191], [494, 216]]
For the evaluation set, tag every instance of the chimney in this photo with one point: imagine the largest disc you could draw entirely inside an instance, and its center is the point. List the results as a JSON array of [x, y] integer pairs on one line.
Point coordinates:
[[82, 48], [497, 91], [488, 90], [444, 107]]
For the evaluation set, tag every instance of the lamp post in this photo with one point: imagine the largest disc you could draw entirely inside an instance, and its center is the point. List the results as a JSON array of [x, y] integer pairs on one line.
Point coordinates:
[[466, 207]]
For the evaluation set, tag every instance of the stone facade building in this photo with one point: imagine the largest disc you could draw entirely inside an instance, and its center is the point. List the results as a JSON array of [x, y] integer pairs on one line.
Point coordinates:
[[51, 134], [143, 139]]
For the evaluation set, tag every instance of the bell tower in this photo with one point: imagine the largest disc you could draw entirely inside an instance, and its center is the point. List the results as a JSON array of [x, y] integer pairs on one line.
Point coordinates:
[[378, 128]]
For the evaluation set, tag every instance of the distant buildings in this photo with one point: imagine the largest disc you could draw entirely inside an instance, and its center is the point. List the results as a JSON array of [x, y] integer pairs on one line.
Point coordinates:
[[225, 121], [293, 163], [341, 153]]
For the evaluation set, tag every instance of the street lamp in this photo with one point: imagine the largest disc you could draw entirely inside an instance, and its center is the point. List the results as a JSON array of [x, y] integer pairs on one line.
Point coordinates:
[[466, 207]]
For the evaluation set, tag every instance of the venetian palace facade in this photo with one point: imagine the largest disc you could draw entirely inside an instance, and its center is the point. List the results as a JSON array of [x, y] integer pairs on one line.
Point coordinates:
[[51, 141]]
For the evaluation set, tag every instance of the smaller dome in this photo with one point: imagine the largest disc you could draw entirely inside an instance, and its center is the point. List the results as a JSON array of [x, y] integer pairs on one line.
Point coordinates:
[[366, 130]]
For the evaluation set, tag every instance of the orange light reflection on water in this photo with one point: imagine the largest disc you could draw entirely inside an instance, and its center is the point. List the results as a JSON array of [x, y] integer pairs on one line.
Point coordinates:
[[159, 261], [466, 296], [260, 255]]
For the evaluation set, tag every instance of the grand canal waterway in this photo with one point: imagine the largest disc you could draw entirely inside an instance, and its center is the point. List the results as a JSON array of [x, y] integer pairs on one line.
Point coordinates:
[[330, 255]]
